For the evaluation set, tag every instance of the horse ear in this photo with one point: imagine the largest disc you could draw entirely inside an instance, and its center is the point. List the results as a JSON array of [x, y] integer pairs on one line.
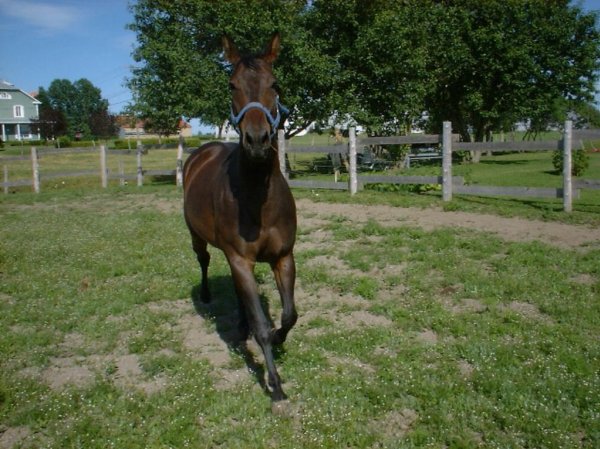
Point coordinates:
[[272, 50], [231, 52]]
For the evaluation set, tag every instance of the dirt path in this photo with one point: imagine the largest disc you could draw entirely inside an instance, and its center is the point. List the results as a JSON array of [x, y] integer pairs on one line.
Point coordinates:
[[510, 229]]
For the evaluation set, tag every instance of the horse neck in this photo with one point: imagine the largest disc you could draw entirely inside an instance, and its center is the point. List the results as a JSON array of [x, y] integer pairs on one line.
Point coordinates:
[[258, 174]]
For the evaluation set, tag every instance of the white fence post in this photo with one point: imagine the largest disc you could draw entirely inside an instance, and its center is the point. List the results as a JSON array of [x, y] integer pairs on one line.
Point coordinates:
[[35, 166], [447, 161], [103, 168], [179, 170], [567, 178], [121, 173], [140, 171], [281, 152], [6, 179], [353, 174]]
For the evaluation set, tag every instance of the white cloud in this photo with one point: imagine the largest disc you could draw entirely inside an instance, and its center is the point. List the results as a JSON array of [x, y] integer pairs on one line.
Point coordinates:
[[47, 17]]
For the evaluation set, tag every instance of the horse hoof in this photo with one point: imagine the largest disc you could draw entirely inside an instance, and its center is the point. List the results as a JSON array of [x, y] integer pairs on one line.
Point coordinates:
[[279, 337]]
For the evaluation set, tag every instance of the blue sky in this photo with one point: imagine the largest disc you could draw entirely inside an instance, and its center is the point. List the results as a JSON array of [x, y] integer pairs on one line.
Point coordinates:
[[42, 40]]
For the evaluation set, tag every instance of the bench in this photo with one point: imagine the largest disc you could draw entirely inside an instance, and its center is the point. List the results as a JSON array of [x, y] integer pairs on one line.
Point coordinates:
[[368, 161], [426, 155]]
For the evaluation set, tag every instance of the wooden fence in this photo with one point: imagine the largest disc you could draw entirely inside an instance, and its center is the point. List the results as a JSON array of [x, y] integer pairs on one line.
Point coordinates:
[[449, 143], [451, 185], [103, 172]]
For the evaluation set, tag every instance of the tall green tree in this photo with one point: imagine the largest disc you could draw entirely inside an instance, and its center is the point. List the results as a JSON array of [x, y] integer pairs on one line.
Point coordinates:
[[502, 61], [484, 65], [80, 103], [181, 72]]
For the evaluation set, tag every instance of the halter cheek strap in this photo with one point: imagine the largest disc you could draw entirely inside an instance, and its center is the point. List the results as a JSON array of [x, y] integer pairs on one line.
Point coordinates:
[[235, 120]]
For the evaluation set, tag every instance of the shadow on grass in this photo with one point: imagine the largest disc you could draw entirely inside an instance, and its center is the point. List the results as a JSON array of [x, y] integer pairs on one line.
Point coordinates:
[[224, 311]]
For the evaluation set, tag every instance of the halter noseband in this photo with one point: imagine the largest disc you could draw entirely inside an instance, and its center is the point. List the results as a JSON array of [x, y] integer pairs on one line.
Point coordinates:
[[235, 120]]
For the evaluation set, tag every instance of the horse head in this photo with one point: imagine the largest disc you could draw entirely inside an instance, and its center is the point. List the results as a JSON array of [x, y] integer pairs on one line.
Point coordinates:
[[255, 108]]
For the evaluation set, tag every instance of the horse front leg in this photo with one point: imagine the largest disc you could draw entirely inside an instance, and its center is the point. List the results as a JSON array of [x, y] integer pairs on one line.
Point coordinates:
[[242, 272], [285, 277]]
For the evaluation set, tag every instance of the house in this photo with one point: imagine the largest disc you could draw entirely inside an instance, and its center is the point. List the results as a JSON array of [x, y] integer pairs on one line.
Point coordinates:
[[131, 128], [18, 113]]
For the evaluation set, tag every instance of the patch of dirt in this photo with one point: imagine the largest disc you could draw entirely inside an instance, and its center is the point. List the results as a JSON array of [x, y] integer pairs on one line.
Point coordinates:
[[334, 265], [510, 229], [468, 305], [202, 342], [231, 379], [428, 337], [527, 310], [395, 425], [7, 299], [584, 279], [129, 374], [343, 319], [67, 371], [343, 362], [14, 437], [466, 369]]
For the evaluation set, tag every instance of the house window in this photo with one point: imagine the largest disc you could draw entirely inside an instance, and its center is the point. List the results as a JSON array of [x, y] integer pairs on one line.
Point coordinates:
[[19, 111], [5, 96]]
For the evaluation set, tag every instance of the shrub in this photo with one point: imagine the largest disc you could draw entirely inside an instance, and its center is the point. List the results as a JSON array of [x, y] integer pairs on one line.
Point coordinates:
[[64, 142], [580, 161]]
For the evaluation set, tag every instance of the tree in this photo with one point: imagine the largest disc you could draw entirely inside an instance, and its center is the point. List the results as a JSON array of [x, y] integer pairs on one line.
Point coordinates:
[[380, 63], [181, 72], [80, 105], [498, 62], [51, 122]]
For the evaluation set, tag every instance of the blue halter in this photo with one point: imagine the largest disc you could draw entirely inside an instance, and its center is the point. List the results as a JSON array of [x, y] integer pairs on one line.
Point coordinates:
[[235, 120]]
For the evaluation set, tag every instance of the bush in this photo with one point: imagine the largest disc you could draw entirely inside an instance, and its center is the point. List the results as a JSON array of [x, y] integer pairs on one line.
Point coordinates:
[[580, 161], [63, 142]]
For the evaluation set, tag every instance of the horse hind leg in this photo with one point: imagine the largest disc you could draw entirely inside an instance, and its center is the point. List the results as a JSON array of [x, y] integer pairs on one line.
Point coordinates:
[[203, 256]]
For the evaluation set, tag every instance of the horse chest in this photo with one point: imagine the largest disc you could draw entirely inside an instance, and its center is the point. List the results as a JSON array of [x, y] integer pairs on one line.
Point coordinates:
[[265, 236]]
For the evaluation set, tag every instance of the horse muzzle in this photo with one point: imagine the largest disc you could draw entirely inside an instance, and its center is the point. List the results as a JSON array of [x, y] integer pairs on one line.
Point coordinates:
[[257, 142]]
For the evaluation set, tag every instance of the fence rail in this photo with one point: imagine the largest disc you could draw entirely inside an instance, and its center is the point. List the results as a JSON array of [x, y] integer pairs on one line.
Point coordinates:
[[39, 153], [450, 144]]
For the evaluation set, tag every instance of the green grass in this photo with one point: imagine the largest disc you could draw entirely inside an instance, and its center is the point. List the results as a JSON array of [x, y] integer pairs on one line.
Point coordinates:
[[449, 338]]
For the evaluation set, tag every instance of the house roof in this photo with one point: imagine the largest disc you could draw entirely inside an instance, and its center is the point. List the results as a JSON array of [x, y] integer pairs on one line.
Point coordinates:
[[6, 86], [127, 121]]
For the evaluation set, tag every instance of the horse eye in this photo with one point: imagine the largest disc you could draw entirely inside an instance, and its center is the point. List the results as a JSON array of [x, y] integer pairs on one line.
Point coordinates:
[[275, 86], [232, 86]]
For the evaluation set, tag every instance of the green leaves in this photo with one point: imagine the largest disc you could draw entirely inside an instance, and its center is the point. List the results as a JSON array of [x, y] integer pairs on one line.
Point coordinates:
[[378, 63], [74, 107]]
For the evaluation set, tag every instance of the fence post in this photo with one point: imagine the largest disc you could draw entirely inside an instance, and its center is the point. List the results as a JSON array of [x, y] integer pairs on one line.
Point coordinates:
[[103, 168], [121, 173], [140, 172], [567, 178], [447, 161], [35, 165], [6, 179], [353, 174], [179, 170], [281, 152]]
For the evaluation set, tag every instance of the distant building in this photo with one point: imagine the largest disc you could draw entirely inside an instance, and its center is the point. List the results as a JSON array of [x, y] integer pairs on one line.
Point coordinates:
[[131, 128], [18, 113]]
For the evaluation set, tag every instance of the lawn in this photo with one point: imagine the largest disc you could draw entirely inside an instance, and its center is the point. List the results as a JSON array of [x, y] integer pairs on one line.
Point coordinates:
[[406, 338]]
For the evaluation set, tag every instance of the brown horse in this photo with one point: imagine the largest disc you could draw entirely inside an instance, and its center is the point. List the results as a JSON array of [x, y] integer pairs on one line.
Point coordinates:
[[236, 199]]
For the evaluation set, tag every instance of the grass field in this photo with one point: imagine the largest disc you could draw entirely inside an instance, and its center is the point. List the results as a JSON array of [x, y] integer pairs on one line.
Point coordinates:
[[407, 338]]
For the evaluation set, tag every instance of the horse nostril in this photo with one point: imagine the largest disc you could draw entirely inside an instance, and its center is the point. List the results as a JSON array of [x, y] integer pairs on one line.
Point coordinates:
[[265, 138], [249, 139]]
